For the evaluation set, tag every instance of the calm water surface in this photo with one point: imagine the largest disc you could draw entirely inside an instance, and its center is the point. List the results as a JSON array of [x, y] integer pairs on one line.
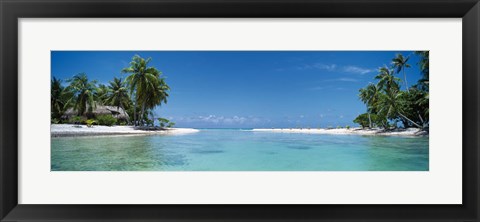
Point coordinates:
[[240, 150]]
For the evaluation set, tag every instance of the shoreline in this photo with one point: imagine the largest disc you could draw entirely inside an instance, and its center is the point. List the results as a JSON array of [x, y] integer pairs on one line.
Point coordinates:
[[351, 131], [71, 130]]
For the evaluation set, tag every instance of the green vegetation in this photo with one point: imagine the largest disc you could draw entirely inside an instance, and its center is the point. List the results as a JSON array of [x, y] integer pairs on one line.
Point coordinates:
[[118, 94], [135, 98], [83, 93], [78, 120], [106, 120], [147, 87], [165, 123], [90, 122], [59, 97], [387, 104]]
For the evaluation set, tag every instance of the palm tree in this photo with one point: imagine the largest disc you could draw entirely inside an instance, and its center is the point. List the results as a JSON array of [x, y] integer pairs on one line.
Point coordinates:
[[143, 82], [83, 91], [118, 94], [424, 69], [389, 100], [158, 95], [400, 64], [369, 95], [59, 97], [390, 106], [101, 93], [387, 81]]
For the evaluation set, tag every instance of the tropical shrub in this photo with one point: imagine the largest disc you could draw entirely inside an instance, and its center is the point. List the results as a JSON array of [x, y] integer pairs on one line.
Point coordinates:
[[362, 120], [171, 124], [106, 120], [163, 122], [90, 122], [77, 120]]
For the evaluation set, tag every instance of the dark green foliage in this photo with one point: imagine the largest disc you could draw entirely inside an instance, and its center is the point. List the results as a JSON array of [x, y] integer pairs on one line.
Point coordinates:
[[106, 120], [362, 120], [147, 87], [84, 92], [117, 94], [415, 106], [143, 90], [77, 120], [387, 104], [60, 100], [101, 94], [165, 122], [423, 83]]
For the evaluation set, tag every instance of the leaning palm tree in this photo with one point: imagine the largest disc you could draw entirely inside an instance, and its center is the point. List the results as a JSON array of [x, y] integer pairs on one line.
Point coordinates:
[[118, 94], [400, 64], [390, 107], [84, 93], [141, 81]]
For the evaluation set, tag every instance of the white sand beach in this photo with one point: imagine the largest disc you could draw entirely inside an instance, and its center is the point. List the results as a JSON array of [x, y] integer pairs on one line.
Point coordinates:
[[351, 131], [60, 130]]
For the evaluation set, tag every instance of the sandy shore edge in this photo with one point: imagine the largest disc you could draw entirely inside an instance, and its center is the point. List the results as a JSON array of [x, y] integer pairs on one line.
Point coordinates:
[[351, 131], [65, 130]]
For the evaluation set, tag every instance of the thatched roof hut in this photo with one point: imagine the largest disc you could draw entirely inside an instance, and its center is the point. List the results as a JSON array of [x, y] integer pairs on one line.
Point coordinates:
[[116, 112]]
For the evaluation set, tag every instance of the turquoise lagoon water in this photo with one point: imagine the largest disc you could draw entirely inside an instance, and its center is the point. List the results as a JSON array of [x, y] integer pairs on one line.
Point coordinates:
[[240, 150]]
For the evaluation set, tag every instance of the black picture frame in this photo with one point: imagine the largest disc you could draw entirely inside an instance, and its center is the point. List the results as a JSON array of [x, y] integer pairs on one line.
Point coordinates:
[[11, 11]]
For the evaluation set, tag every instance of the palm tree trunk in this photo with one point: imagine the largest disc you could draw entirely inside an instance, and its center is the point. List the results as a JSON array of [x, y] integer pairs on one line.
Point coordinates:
[[409, 120], [142, 113], [405, 77], [369, 121], [135, 112], [421, 119]]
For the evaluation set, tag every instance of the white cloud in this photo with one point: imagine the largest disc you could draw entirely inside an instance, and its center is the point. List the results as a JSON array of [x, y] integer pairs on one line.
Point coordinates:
[[357, 70], [321, 66], [347, 80], [342, 80], [333, 67]]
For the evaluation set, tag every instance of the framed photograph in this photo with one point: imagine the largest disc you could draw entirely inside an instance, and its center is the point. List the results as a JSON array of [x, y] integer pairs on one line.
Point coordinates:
[[225, 110]]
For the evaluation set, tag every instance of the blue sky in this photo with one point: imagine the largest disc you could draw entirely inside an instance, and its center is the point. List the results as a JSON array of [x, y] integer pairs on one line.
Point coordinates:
[[247, 89]]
